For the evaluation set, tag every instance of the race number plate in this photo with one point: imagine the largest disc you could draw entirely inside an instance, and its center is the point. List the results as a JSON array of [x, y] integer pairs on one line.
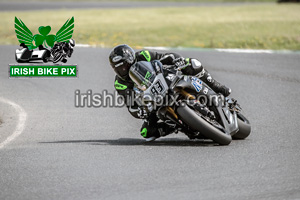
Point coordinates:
[[157, 88]]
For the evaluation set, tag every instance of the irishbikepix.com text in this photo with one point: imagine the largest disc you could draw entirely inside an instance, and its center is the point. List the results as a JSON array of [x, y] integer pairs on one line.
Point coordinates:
[[107, 99]]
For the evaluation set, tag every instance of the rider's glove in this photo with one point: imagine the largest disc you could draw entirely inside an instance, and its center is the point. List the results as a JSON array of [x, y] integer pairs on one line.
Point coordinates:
[[142, 113], [180, 63]]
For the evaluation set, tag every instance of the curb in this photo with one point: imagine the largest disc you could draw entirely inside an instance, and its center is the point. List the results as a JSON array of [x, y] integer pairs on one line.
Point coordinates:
[[251, 51]]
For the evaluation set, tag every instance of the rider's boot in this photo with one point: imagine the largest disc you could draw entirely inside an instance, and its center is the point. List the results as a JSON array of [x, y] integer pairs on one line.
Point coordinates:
[[165, 129], [213, 84], [149, 129], [195, 68], [152, 131]]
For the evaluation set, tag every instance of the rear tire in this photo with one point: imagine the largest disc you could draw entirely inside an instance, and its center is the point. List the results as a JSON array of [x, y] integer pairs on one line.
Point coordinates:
[[46, 56], [197, 123], [244, 128]]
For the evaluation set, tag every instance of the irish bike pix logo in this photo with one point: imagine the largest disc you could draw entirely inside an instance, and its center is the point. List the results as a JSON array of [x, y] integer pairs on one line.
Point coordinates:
[[38, 50]]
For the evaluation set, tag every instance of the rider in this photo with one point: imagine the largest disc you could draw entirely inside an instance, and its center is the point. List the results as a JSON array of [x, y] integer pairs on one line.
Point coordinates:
[[67, 47], [122, 57]]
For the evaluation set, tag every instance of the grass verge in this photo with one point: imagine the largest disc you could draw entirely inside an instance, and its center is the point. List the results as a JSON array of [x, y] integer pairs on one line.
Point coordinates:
[[270, 26], [194, 1]]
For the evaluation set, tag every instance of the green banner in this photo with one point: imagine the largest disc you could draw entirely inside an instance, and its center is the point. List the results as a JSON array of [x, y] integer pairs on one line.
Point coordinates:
[[43, 71]]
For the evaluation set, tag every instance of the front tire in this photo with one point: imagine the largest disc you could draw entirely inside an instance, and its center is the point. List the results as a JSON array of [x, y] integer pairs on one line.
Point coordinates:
[[57, 57], [244, 128], [197, 123]]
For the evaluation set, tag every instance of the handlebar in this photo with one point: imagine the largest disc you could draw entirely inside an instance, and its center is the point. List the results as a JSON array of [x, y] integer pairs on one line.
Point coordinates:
[[173, 67]]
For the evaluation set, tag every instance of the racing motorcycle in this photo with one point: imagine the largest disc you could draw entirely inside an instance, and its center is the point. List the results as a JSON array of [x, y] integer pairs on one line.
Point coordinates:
[[180, 101], [61, 51]]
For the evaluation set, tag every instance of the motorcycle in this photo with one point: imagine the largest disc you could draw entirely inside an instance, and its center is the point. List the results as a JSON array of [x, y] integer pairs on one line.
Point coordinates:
[[156, 85], [24, 55], [62, 50]]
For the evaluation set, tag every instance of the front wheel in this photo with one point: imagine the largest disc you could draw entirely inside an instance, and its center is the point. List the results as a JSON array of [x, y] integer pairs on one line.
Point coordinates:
[[244, 128], [57, 57], [196, 122]]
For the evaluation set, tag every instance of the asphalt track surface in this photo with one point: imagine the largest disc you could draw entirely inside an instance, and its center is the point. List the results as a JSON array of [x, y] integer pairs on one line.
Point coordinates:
[[96, 153], [23, 6]]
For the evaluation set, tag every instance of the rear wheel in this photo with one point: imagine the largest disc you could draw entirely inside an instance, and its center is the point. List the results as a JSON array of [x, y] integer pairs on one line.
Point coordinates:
[[196, 122], [46, 56], [244, 128]]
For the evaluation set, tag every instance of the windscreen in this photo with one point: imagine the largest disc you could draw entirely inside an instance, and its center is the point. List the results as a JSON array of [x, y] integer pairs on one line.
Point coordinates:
[[142, 73]]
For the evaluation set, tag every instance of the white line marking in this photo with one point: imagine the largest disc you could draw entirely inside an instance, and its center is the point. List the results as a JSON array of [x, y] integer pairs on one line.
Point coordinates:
[[245, 50], [84, 45], [268, 51], [21, 122], [219, 50], [157, 48]]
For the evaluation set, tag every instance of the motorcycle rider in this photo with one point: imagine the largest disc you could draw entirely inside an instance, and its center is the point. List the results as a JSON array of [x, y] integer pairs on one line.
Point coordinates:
[[122, 57], [67, 47]]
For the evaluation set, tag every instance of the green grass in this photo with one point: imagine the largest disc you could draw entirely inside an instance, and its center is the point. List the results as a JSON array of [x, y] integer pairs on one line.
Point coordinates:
[[255, 27], [199, 1]]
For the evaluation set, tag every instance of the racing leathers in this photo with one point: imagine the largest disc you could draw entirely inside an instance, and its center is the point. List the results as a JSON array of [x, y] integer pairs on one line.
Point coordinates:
[[151, 128]]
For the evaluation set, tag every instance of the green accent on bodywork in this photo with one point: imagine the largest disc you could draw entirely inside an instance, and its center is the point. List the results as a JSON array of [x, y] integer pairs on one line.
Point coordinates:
[[147, 76], [144, 132], [147, 55], [120, 86], [187, 60]]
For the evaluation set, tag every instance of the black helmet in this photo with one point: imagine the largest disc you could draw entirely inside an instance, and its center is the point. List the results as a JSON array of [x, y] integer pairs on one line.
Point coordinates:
[[121, 58], [72, 42]]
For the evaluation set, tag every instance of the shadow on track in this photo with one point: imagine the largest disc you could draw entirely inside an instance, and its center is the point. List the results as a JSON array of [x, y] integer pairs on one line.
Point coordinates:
[[140, 142]]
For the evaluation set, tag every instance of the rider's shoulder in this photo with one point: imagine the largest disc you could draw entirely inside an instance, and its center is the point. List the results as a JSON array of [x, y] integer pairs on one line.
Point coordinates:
[[141, 52], [144, 55]]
